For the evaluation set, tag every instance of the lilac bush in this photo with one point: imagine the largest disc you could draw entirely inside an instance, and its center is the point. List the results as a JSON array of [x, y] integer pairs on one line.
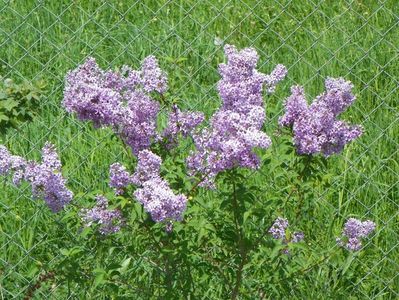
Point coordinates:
[[164, 178], [315, 127]]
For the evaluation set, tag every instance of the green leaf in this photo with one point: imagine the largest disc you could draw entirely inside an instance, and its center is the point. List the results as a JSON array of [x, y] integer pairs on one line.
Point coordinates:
[[3, 117], [9, 104], [246, 215], [99, 279], [64, 252], [3, 95], [347, 263], [181, 59], [124, 265]]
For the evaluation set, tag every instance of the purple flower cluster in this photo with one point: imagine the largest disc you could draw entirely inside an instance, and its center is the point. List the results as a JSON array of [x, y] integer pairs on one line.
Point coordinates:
[[278, 228], [109, 221], [278, 232], [119, 178], [154, 192], [11, 163], [315, 127], [183, 123], [235, 129], [353, 232], [121, 100], [159, 200], [45, 178], [148, 167]]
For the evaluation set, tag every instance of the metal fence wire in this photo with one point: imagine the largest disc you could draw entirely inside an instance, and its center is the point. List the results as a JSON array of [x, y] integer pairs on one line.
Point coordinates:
[[357, 40]]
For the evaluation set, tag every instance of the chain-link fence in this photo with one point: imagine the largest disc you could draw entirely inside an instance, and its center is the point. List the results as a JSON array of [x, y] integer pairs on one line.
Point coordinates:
[[357, 40]]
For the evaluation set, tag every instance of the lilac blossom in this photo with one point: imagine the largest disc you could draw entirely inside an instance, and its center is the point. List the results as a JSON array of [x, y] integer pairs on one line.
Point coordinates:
[[235, 129], [278, 228], [148, 167], [298, 237], [152, 77], [121, 100], [119, 178], [279, 232], [109, 221], [154, 192], [353, 232], [277, 75], [183, 123], [45, 178], [11, 163], [159, 200], [87, 94], [315, 127], [241, 84], [5, 160]]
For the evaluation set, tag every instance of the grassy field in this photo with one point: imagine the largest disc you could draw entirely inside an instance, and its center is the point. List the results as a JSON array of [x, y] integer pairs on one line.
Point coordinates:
[[354, 39]]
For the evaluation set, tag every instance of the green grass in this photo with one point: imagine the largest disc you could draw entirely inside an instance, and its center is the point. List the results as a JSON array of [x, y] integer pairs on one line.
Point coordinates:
[[354, 39]]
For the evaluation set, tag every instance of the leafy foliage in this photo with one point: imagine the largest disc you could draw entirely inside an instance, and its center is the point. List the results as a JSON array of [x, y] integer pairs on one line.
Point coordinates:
[[19, 102]]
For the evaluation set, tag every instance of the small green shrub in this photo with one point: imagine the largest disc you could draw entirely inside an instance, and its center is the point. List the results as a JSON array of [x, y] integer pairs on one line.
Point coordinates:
[[19, 102]]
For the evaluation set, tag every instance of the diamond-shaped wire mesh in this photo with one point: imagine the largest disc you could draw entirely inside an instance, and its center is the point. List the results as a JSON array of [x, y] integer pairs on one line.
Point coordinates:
[[357, 40]]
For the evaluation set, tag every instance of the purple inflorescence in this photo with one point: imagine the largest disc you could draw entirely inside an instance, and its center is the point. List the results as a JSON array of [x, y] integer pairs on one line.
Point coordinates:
[[152, 77], [121, 100], [109, 221], [119, 178], [183, 123], [12, 163], [278, 232], [159, 200], [45, 178], [235, 129], [154, 193], [148, 167], [278, 228], [315, 127], [298, 237], [353, 232], [5, 160]]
